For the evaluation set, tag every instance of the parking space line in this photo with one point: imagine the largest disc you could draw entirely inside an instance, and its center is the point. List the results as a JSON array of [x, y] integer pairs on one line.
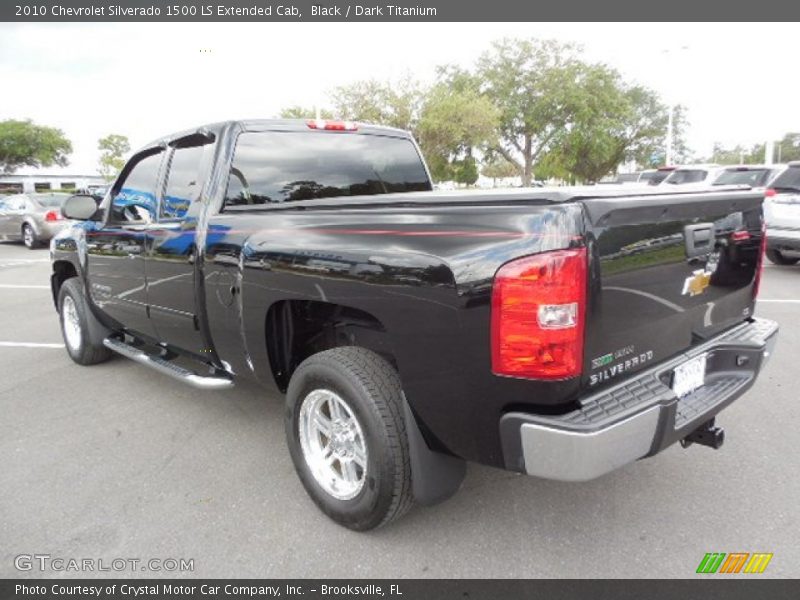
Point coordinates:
[[13, 286], [779, 300], [29, 345]]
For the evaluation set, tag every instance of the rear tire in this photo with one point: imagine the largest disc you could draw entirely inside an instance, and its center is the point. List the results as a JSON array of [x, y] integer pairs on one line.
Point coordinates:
[[364, 416], [778, 258], [29, 237], [78, 325]]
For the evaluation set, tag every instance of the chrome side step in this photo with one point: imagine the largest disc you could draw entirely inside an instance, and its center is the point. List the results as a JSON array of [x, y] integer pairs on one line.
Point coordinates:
[[205, 382]]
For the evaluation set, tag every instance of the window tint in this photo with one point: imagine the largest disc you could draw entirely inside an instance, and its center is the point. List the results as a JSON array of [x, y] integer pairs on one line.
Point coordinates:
[[15, 203], [751, 177], [654, 177], [286, 166], [50, 200], [183, 182], [687, 176], [135, 200], [789, 180]]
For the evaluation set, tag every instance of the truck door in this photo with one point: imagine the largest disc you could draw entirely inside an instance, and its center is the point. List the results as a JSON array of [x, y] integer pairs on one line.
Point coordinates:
[[171, 283], [116, 250]]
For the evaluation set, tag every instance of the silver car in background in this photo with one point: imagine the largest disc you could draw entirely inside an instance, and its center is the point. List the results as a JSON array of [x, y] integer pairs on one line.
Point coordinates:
[[31, 218], [693, 175], [782, 214], [756, 176]]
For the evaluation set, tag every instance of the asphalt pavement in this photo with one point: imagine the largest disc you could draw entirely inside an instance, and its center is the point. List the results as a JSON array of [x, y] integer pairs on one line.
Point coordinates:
[[117, 462]]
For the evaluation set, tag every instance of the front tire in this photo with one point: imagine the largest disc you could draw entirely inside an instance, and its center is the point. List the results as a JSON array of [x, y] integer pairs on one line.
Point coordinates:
[[347, 437], [779, 258], [75, 317], [29, 237]]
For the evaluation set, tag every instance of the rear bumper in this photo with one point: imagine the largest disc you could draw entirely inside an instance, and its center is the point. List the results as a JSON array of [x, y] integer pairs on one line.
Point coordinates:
[[780, 238], [48, 230], [638, 417]]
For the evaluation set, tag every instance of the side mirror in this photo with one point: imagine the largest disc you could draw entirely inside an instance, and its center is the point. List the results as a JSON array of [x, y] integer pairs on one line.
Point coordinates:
[[80, 207]]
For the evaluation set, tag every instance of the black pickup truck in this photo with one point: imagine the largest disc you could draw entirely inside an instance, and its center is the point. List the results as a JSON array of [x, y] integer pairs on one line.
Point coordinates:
[[557, 332]]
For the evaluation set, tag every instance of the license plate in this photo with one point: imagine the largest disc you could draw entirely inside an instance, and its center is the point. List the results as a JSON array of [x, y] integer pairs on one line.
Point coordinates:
[[689, 376]]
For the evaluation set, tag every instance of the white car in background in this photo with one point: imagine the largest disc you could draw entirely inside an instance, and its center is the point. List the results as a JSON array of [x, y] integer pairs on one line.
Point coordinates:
[[693, 175], [782, 214], [756, 176]]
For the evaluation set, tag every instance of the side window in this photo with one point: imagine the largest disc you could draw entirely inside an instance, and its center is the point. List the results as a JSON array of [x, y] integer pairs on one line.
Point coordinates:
[[184, 182], [135, 198], [15, 203]]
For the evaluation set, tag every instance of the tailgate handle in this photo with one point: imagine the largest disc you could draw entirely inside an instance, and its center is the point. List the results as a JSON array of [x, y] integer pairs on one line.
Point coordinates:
[[699, 239]]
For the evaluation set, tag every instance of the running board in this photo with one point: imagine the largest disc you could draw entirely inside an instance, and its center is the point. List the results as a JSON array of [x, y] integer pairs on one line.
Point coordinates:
[[204, 382]]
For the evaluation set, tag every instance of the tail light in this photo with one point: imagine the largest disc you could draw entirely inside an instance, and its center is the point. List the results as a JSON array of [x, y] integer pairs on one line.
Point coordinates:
[[770, 193], [538, 308], [760, 260], [331, 125], [53, 215], [741, 235]]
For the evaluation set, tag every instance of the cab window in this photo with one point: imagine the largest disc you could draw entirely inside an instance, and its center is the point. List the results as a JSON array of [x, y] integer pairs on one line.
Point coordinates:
[[184, 182], [134, 199]]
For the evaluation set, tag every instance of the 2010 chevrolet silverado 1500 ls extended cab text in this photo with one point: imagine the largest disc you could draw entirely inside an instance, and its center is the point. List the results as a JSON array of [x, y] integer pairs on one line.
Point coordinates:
[[558, 332]]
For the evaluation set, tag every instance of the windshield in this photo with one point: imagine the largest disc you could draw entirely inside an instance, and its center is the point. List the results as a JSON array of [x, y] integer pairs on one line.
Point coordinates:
[[654, 177], [49, 200], [789, 180], [751, 177], [686, 176], [276, 166]]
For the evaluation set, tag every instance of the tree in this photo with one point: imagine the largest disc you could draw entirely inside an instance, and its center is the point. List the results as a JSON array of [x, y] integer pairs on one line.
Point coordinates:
[[616, 123], [465, 170], [788, 148], [381, 103], [305, 112], [453, 123], [496, 167], [564, 117], [23, 143], [112, 148], [533, 84]]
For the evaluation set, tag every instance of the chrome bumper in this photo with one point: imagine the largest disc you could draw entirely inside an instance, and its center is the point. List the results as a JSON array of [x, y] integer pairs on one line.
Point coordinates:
[[638, 417]]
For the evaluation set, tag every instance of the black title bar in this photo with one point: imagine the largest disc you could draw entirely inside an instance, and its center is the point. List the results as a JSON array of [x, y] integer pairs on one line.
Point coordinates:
[[397, 10]]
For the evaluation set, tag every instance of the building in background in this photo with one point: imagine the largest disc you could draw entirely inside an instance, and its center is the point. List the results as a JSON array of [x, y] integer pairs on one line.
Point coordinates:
[[46, 182]]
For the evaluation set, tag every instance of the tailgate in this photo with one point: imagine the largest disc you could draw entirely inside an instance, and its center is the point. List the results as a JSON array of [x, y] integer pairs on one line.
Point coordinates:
[[666, 272]]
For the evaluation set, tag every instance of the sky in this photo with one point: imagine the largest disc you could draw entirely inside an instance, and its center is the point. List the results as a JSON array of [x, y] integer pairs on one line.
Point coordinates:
[[145, 80]]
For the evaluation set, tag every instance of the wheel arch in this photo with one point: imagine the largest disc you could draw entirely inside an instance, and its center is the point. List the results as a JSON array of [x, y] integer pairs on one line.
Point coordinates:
[[296, 329], [62, 270]]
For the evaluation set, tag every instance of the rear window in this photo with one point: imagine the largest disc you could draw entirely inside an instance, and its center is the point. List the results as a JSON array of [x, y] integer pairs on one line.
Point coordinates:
[[654, 177], [687, 176], [789, 180], [50, 200], [751, 177], [274, 167]]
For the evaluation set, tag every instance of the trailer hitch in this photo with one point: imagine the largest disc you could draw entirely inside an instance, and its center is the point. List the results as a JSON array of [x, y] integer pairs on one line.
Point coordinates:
[[706, 435]]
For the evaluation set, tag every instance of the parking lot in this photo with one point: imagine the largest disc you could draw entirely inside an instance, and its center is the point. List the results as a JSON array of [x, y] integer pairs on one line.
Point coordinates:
[[116, 461]]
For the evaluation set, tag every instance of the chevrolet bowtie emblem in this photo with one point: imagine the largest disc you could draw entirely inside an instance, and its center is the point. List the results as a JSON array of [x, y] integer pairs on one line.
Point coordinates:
[[696, 283]]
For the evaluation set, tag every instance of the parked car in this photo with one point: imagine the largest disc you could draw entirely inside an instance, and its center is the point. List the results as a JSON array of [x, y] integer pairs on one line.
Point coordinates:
[[558, 332], [31, 218], [756, 176], [782, 214], [692, 175], [655, 176]]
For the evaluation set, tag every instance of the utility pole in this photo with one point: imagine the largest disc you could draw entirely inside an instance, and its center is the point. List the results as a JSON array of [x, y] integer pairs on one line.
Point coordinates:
[[668, 149], [769, 152]]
